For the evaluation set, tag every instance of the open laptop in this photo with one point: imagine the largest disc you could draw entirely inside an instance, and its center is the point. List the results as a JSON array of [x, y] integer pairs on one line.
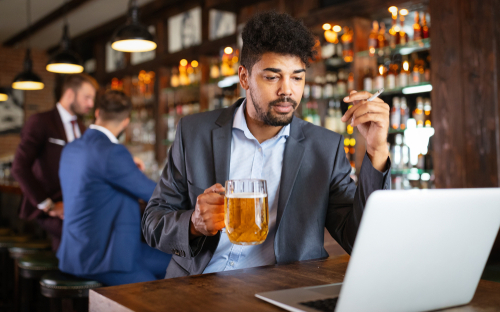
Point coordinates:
[[415, 250]]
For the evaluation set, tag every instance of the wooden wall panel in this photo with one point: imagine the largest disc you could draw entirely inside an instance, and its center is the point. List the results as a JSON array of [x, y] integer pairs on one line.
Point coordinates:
[[478, 92], [447, 95]]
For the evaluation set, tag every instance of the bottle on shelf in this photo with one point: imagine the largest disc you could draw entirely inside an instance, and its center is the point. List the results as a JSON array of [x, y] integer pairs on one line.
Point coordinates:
[[394, 31], [340, 126], [405, 114], [347, 42], [396, 113], [350, 82], [341, 83], [405, 155], [415, 75], [330, 122], [417, 29], [403, 36], [380, 79], [427, 112], [404, 75], [315, 116], [373, 38], [328, 88], [418, 114], [307, 91], [425, 27], [368, 80], [316, 88], [396, 152], [391, 77], [382, 40], [307, 116]]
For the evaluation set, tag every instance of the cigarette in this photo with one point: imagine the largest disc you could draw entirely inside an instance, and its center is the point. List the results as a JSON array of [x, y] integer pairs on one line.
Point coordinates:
[[379, 92]]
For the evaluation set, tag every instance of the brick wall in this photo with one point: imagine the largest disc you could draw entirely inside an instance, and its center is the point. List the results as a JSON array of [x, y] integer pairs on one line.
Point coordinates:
[[11, 63]]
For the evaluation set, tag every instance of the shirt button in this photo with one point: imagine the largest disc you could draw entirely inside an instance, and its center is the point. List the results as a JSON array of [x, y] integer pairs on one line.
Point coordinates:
[[260, 149], [231, 263]]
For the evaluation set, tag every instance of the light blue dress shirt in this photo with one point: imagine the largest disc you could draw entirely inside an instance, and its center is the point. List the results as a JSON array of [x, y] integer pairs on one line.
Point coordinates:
[[251, 159]]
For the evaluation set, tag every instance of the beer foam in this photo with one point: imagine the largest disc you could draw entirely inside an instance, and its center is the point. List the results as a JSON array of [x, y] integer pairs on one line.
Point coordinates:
[[246, 195]]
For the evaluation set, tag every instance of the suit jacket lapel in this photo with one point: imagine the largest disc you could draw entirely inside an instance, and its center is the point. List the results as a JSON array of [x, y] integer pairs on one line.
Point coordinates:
[[59, 125], [221, 143], [292, 159]]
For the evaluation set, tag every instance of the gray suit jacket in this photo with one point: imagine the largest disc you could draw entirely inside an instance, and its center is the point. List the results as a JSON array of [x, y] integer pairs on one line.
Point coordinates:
[[316, 191]]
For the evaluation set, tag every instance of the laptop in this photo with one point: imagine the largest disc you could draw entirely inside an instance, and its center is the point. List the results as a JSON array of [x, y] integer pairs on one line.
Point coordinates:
[[416, 250]]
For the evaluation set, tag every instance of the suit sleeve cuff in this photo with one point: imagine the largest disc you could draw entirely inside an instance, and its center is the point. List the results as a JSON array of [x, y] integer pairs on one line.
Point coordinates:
[[46, 203], [377, 179]]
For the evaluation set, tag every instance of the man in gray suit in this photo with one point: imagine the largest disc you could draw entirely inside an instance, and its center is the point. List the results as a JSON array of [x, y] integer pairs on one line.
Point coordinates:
[[305, 166]]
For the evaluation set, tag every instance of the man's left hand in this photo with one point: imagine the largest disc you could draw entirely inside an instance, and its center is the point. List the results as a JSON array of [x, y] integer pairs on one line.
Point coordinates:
[[139, 163], [372, 120]]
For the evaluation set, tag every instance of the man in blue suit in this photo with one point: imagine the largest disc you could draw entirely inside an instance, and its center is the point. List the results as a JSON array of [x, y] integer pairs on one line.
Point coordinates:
[[101, 186]]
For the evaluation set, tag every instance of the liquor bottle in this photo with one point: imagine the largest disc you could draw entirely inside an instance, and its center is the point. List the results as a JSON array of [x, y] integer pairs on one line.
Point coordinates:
[[405, 155], [425, 27], [396, 113], [427, 112], [307, 113], [341, 83], [379, 80], [382, 41], [328, 88], [396, 152], [394, 32], [404, 75], [405, 113], [350, 82], [391, 77], [403, 36], [373, 38], [415, 75], [340, 126], [418, 114], [315, 115], [307, 91], [417, 29], [335, 80], [368, 80], [348, 52], [316, 88], [330, 122]]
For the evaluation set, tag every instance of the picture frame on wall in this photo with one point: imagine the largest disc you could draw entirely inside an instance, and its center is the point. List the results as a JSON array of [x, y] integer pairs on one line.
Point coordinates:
[[12, 113], [184, 30]]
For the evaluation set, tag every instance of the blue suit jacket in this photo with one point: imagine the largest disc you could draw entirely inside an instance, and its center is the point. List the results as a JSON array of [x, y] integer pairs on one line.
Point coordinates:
[[101, 186]]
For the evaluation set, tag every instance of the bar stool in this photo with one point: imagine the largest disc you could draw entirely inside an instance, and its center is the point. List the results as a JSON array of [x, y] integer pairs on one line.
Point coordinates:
[[32, 268], [24, 249], [6, 272], [67, 291]]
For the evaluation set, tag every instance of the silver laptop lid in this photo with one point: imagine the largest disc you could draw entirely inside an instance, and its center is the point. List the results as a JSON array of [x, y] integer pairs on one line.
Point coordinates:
[[420, 250]]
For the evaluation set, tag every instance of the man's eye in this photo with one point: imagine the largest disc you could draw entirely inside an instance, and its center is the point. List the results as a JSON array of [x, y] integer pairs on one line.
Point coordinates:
[[270, 78], [298, 78]]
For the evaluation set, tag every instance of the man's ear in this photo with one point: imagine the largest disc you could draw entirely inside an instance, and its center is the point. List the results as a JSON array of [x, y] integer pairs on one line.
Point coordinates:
[[244, 76], [96, 113], [125, 122]]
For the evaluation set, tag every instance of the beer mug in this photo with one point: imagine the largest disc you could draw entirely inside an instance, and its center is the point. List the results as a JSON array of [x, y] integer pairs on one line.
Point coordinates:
[[246, 211]]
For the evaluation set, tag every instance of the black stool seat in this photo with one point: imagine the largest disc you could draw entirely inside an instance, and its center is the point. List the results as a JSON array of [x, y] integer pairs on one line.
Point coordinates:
[[36, 265], [7, 241], [20, 250], [62, 285]]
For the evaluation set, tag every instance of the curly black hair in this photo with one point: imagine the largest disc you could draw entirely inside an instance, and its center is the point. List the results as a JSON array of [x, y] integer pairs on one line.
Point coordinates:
[[278, 33]]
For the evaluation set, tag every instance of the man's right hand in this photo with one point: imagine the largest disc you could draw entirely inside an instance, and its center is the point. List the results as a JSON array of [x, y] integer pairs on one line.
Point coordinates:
[[57, 211], [208, 216]]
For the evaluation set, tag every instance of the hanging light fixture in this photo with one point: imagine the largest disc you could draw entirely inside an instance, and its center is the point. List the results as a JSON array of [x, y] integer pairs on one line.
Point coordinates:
[[28, 80], [65, 61], [133, 37], [4, 94]]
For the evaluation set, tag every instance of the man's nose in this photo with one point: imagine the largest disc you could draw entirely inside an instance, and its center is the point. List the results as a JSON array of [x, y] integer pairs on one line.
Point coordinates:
[[285, 89]]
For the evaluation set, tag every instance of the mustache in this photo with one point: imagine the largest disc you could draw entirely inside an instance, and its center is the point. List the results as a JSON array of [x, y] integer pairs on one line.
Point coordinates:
[[284, 99]]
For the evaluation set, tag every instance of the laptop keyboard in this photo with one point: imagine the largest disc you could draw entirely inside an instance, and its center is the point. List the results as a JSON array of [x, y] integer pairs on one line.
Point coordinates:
[[322, 305]]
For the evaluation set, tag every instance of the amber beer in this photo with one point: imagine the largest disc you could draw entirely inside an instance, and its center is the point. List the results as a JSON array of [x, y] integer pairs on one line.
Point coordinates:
[[246, 213]]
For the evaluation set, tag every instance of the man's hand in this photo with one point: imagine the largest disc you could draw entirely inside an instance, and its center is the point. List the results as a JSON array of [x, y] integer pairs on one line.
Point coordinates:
[[208, 216], [139, 163], [57, 211], [372, 121]]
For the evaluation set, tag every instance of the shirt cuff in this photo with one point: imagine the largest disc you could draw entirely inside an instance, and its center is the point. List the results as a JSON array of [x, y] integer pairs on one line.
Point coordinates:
[[46, 203]]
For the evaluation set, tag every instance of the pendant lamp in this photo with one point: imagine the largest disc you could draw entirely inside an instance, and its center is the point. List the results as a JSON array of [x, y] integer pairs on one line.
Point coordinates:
[[65, 61], [28, 80], [133, 36], [4, 94]]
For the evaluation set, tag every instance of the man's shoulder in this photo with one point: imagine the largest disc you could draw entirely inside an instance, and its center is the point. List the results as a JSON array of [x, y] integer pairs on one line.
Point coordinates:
[[201, 119], [41, 117]]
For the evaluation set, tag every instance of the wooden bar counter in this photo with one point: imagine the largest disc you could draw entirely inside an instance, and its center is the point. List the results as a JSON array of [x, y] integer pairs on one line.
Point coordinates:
[[235, 290]]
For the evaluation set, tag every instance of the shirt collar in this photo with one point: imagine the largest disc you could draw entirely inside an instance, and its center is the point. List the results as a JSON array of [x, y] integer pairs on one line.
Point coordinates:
[[108, 133], [240, 123], [66, 117]]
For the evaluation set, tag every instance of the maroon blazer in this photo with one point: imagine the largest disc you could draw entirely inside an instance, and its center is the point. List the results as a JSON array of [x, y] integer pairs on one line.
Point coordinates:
[[36, 163]]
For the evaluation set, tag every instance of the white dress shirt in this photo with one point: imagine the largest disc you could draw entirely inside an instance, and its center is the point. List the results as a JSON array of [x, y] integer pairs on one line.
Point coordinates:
[[252, 160], [67, 118], [108, 133]]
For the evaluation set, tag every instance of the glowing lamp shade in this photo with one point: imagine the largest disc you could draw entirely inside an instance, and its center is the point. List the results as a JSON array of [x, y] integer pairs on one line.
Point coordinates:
[[337, 28], [3, 95], [27, 79], [133, 36], [65, 62]]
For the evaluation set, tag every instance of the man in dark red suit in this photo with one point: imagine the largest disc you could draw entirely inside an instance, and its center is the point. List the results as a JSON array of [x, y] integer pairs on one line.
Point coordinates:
[[36, 163]]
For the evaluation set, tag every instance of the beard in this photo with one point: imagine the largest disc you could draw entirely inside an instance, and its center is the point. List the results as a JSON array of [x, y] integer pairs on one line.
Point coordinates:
[[75, 108], [272, 118]]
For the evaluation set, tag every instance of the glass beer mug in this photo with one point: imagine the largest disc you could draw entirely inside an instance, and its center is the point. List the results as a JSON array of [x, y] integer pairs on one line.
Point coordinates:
[[246, 211]]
